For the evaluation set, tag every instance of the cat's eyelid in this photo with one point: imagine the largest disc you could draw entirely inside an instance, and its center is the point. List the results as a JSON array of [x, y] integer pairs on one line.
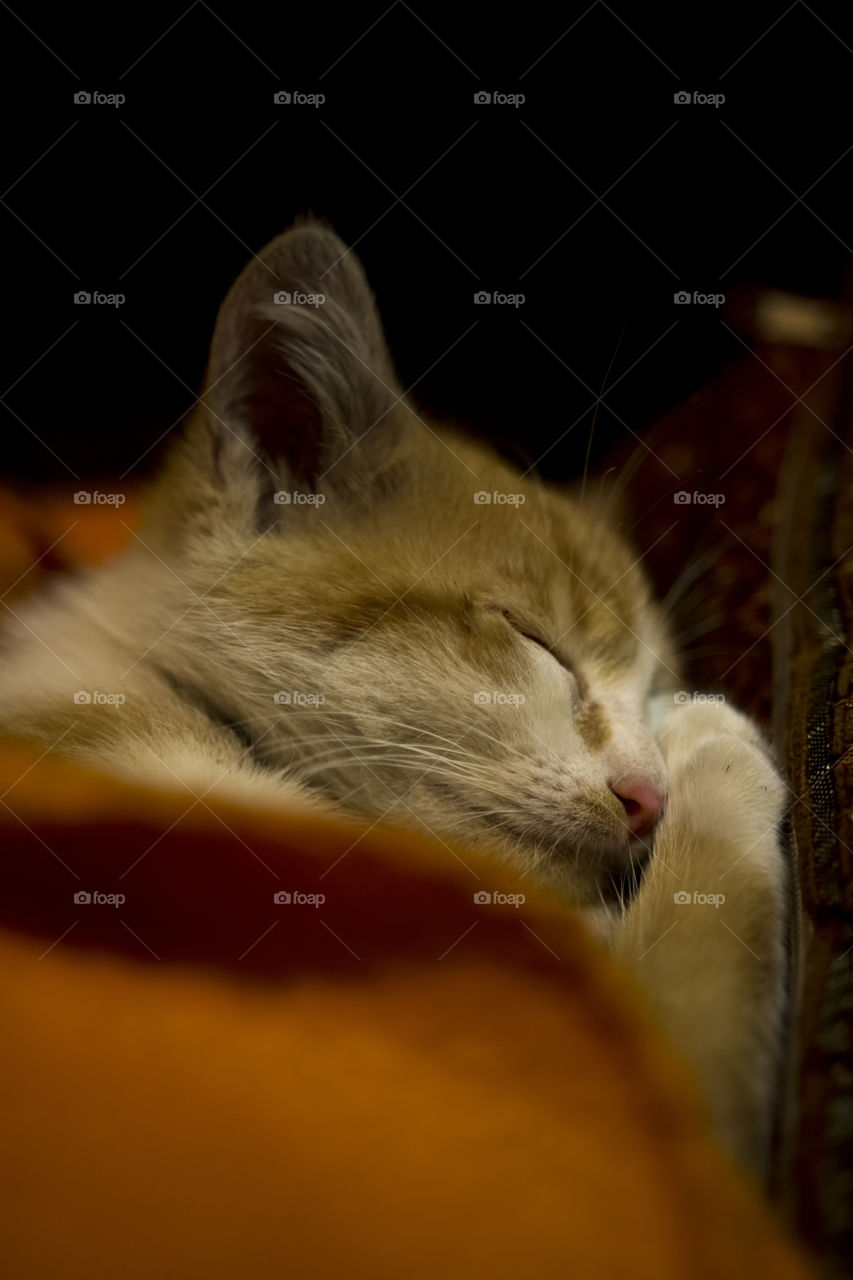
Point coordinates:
[[530, 633], [519, 624]]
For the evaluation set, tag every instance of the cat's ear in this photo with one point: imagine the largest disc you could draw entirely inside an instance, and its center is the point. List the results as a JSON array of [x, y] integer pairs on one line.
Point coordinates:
[[298, 363], [300, 392]]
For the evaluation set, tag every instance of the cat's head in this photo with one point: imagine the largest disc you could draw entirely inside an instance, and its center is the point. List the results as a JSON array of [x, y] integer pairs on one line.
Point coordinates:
[[393, 615]]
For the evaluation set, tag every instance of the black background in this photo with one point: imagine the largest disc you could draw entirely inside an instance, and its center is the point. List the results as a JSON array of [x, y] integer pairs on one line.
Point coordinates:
[[164, 198]]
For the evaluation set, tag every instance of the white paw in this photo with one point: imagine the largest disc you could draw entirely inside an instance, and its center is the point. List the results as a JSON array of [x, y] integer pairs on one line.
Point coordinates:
[[721, 777], [688, 725]]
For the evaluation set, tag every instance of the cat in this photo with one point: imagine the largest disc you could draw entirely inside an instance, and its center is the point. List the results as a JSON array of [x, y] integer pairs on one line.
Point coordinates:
[[335, 603]]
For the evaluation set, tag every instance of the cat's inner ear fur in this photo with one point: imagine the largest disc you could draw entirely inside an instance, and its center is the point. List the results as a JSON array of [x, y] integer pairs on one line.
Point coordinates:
[[299, 373]]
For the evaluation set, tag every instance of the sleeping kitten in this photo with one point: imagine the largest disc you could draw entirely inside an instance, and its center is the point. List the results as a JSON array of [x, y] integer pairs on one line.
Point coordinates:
[[334, 603]]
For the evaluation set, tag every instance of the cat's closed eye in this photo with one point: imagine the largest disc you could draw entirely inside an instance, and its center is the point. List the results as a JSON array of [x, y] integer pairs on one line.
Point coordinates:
[[531, 633]]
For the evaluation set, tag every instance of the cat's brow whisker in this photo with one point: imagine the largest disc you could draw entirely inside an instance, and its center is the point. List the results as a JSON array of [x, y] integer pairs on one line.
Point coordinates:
[[334, 741], [602, 510], [417, 729], [596, 410], [692, 570], [302, 773], [359, 739], [327, 712], [465, 752], [451, 769], [637, 456], [321, 716], [701, 629]]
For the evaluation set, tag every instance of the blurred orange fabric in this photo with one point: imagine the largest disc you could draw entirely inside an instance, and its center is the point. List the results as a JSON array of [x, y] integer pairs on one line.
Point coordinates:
[[396, 1081]]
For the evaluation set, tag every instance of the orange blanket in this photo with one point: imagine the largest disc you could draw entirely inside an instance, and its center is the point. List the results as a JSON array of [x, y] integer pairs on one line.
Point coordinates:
[[397, 1081]]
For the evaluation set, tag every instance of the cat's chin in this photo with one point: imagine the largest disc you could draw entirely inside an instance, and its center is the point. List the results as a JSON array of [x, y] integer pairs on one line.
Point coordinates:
[[589, 872], [609, 892], [600, 856], [598, 882]]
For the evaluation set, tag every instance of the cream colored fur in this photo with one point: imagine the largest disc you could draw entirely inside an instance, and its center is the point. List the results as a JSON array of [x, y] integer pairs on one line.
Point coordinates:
[[384, 602]]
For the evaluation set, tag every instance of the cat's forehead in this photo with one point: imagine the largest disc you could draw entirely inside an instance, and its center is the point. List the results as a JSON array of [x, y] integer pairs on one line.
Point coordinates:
[[435, 557], [400, 591]]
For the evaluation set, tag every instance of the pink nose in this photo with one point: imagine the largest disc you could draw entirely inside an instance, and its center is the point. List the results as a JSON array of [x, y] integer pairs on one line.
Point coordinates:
[[643, 806]]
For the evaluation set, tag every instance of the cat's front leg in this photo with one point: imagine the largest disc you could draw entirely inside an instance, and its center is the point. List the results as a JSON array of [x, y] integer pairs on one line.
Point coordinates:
[[705, 933]]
